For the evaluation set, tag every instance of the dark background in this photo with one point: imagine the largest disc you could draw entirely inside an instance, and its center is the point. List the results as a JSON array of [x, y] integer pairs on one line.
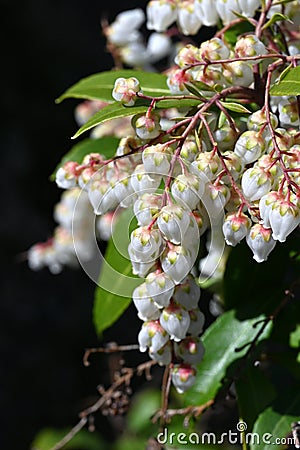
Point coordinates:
[[45, 320]]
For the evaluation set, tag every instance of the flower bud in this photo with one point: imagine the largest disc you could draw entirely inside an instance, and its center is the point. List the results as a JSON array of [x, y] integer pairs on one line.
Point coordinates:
[[175, 320], [190, 350], [187, 55], [176, 81], [213, 50], [102, 196], [146, 126], [66, 175], [261, 242], [265, 205], [250, 45], [183, 377], [215, 198], [238, 73], [257, 120], [235, 228]]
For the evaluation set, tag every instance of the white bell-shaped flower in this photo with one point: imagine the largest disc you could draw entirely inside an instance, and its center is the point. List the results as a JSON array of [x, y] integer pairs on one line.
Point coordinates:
[[226, 8], [177, 262], [153, 336], [206, 12], [142, 182], [190, 350], [173, 222], [197, 320], [187, 190], [214, 49], [235, 228], [102, 196], [125, 90], [187, 293], [66, 175], [124, 191], [261, 242], [161, 14], [250, 45], [160, 287], [248, 7], [189, 22], [163, 356], [175, 320], [147, 310], [183, 377], [207, 166], [250, 146], [146, 208], [238, 73], [265, 205], [159, 46], [256, 182], [215, 198], [156, 159], [146, 243], [284, 217]]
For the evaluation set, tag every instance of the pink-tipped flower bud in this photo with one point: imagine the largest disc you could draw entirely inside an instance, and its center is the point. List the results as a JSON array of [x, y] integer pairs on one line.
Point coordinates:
[[190, 350], [235, 228], [261, 242], [183, 377]]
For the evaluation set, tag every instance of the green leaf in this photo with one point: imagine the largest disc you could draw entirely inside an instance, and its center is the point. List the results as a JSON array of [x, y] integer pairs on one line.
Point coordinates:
[[106, 145], [100, 85], [116, 282], [48, 437], [235, 107], [221, 340], [109, 112], [117, 110], [289, 84], [275, 422], [197, 87]]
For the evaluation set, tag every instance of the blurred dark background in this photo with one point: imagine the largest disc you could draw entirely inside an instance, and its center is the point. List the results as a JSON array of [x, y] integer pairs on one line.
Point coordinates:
[[45, 320]]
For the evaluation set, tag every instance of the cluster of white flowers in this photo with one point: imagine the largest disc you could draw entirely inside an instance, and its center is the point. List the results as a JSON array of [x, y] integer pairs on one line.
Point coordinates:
[[72, 238], [190, 172]]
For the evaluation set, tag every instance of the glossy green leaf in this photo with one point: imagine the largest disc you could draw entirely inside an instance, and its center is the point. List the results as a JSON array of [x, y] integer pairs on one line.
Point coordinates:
[[109, 112], [117, 110], [221, 340], [275, 422], [289, 84], [236, 107], [48, 437], [99, 86], [106, 145], [277, 17], [116, 282]]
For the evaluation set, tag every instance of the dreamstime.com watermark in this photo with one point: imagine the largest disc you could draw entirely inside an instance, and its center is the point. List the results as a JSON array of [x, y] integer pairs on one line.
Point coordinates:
[[238, 436]]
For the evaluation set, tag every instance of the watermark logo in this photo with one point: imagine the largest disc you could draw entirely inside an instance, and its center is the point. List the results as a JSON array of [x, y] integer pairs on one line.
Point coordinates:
[[237, 436]]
